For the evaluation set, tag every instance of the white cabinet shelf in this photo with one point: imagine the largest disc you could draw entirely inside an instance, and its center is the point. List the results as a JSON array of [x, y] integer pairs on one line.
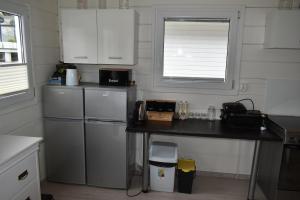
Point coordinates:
[[283, 29], [103, 36]]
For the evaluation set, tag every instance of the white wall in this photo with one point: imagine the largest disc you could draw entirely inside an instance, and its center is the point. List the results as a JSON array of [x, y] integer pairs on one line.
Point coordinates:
[[26, 119], [257, 65]]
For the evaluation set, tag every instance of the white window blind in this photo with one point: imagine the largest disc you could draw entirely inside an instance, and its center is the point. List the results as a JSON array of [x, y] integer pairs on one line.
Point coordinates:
[[13, 63], [13, 79], [195, 49]]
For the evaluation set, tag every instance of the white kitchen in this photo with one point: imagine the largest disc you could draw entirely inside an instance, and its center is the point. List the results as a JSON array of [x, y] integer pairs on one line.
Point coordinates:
[[89, 87]]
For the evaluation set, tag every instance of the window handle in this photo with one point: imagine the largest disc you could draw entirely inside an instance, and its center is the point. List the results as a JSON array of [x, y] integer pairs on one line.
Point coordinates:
[[80, 57], [115, 58], [23, 175]]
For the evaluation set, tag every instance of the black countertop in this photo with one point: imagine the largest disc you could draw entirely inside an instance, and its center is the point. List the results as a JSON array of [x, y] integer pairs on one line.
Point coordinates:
[[201, 128], [288, 123]]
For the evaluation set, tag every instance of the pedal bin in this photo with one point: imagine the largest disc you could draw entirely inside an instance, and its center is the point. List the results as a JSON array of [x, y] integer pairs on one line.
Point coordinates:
[[163, 161], [186, 173]]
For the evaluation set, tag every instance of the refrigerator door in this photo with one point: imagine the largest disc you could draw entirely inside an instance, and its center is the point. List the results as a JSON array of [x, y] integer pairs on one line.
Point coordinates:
[[63, 102], [106, 154], [65, 153], [106, 105]]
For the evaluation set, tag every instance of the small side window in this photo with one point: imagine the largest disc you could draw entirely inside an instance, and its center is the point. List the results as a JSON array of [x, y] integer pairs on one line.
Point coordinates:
[[15, 54]]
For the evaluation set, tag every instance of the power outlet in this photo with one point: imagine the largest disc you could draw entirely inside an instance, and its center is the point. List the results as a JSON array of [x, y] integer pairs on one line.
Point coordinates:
[[243, 87]]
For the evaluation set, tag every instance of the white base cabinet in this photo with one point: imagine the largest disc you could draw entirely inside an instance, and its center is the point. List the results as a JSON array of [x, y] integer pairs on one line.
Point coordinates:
[[103, 36], [19, 169]]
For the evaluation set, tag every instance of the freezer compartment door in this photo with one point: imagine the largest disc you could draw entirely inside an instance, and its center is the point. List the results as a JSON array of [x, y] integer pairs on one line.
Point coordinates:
[[106, 154], [63, 102], [106, 105], [65, 150]]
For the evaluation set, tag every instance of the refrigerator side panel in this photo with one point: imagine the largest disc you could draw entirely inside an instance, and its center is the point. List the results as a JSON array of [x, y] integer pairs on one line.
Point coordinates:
[[64, 102], [106, 154], [106, 105], [131, 157], [65, 150]]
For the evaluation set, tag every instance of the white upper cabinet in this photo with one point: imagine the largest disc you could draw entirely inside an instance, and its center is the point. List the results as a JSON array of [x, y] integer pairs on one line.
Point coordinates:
[[283, 29], [99, 36], [116, 36], [79, 36]]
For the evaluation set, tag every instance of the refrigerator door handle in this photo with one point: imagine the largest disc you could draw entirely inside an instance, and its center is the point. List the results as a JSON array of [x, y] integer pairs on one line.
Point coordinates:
[[90, 119], [97, 121], [63, 119]]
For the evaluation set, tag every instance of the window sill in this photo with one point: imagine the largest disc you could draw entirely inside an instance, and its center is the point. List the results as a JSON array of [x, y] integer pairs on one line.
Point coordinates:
[[18, 105], [182, 90]]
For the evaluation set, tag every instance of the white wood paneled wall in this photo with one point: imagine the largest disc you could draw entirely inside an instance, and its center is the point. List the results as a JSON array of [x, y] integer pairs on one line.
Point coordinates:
[[257, 65], [26, 119]]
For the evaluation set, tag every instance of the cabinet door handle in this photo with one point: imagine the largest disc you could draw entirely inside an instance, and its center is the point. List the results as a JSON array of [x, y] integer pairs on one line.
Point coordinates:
[[115, 58], [23, 175], [80, 57], [28, 198]]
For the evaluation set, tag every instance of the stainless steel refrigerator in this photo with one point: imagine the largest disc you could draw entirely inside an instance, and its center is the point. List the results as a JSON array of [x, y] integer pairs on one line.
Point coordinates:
[[110, 152], [64, 134]]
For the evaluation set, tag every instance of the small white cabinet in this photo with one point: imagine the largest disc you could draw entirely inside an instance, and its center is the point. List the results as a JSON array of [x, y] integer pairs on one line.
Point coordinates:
[[19, 169], [116, 36], [79, 36], [283, 29], [103, 36]]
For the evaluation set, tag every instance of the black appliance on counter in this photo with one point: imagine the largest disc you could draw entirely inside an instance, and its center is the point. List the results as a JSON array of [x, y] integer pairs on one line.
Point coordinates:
[[115, 77], [235, 115], [279, 162]]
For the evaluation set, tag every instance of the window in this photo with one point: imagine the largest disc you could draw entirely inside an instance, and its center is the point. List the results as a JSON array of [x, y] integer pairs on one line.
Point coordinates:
[[197, 47], [15, 53]]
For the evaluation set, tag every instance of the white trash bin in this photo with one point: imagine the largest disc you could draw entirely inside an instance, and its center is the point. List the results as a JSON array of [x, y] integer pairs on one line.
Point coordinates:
[[163, 160]]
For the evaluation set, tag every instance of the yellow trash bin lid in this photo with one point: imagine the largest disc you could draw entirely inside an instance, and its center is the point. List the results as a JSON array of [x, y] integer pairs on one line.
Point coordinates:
[[187, 165]]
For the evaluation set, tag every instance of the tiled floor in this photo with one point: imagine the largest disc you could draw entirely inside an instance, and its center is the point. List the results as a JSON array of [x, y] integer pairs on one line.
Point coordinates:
[[205, 188]]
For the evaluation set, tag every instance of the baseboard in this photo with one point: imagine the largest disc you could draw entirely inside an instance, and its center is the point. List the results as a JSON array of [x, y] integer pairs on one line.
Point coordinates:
[[43, 179], [223, 175], [139, 170]]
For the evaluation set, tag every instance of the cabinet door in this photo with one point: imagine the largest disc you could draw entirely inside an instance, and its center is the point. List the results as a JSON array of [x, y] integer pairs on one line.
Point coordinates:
[[106, 105], [65, 150], [63, 102], [79, 36], [30, 192], [116, 36], [106, 154]]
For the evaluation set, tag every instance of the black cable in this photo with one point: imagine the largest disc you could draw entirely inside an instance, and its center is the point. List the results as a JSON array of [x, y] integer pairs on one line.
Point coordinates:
[[134, 195], [127, 191], [247, 99]]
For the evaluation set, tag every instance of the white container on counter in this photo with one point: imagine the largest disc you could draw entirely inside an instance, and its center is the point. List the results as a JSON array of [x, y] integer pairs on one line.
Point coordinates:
[[72, 77]]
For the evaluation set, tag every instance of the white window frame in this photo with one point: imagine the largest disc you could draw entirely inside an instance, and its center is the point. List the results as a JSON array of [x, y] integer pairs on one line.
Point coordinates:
[[22, 10], [234, 14]]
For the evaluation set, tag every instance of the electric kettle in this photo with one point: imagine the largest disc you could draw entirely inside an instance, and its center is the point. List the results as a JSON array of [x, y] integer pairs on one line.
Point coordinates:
[[72, 77]]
